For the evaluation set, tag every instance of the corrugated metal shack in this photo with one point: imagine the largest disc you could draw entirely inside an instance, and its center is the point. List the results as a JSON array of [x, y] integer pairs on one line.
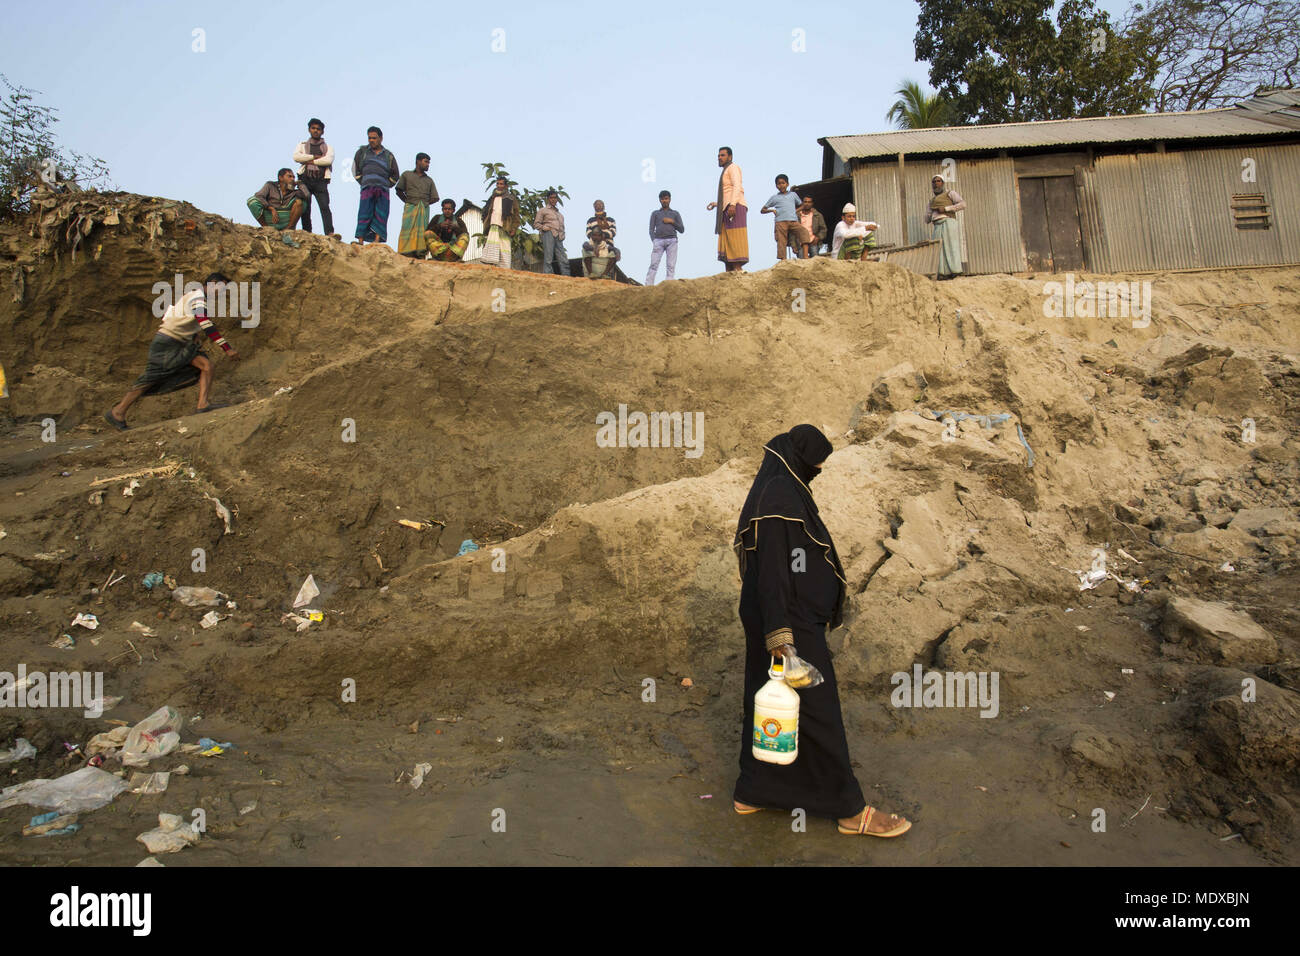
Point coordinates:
[[471, 214], [1205, 189]]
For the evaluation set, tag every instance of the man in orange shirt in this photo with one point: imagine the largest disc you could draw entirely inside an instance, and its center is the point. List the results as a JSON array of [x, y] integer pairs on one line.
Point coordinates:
[[733, 236]]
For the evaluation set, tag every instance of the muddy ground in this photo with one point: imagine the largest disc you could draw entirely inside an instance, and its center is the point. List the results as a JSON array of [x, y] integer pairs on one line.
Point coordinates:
[[519, 673]]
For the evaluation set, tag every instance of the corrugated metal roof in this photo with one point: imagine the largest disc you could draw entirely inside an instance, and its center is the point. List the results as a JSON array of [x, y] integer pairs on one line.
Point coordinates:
[[1266, 114], [1278, 107]]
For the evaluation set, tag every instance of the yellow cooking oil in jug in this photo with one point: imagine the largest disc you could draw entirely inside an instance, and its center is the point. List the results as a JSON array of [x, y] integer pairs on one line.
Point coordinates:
[[776, 718]]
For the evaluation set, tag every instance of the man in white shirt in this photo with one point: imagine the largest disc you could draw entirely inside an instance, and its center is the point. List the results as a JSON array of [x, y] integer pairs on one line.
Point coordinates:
[[853, 239], [317, 159]]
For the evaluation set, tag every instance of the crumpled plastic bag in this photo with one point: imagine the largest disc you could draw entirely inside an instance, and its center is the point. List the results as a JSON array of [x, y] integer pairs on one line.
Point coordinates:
[[21, 750], [86, 789], [199, 597], [171, 835], [421, 769], [108, 742], [155, 736], [799, 674], [52, 824], [149, 782], [102, 704], [1091, 578]]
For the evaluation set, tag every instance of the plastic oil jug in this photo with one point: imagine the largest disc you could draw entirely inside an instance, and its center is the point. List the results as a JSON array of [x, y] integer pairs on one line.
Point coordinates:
[[776, 718]]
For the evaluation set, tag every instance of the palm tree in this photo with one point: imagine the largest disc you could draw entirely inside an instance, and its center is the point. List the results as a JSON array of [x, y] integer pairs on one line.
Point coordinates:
[[915, 109]]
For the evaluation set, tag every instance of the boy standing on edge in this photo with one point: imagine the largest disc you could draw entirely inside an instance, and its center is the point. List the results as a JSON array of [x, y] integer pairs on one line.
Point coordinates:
[[785, 204], [665, 224]]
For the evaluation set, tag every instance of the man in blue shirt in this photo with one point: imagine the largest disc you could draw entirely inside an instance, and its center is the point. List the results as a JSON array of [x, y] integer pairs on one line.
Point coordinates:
[[665, 224], [788, 229]]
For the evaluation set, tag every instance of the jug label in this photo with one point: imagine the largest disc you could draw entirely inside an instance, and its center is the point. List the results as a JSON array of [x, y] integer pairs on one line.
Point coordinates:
[[775, 735]]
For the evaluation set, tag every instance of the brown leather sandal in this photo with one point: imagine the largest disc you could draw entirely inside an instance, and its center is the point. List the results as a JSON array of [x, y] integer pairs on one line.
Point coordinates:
[[898, 830]]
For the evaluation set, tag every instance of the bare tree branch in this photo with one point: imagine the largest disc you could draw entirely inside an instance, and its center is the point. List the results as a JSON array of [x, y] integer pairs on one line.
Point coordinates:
[[1215, 53]]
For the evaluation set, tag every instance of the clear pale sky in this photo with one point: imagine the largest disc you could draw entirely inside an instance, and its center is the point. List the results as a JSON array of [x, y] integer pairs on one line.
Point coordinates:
[[583, 94]]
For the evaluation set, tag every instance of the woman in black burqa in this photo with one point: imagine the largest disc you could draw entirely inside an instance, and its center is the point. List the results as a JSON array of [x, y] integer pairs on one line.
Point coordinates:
[[786, 602]]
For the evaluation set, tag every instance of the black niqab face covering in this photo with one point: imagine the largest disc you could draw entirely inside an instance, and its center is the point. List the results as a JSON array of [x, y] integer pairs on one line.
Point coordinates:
[[811, 448]]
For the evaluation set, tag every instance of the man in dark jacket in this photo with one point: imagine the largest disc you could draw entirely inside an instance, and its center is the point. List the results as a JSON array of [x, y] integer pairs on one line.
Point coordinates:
[[279, 203], [447, 237]]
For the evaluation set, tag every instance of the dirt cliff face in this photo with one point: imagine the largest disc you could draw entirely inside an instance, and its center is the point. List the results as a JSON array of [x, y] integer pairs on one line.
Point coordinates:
[[990, 451]]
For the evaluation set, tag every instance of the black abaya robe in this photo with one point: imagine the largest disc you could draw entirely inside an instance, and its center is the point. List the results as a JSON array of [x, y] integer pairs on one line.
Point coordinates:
[[780, 517]]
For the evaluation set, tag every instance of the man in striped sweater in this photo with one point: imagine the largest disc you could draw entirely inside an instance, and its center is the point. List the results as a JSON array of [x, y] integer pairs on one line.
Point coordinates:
[[375, 170], [176, 358]]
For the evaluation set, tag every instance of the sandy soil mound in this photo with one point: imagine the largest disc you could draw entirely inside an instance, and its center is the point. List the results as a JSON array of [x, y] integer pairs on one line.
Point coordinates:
[[988, 455]]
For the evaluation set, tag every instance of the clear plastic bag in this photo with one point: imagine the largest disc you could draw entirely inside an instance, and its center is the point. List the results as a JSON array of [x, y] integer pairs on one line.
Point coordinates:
[[155, 736], [199, 597], [141, 782], [800, 674], [21, 750], [86, 789], [171, 834]]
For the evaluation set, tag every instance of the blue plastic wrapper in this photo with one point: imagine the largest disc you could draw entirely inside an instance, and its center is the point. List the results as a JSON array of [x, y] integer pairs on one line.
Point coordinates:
[[43, 818]]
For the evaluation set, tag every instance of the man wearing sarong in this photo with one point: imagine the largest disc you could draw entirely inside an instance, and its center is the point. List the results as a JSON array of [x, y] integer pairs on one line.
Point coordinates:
[[792, 592], [500, 223], [375, 170], [733, 235], [942, 215], [317, 159], [599, 256], [176, 358], [279, 204], [447, 236], [549, 223], [416, 189], [854, 237], [601, 221], [814, 225]]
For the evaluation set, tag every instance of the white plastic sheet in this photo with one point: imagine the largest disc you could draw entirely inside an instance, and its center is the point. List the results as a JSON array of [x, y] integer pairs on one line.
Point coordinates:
[[86, 789]]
